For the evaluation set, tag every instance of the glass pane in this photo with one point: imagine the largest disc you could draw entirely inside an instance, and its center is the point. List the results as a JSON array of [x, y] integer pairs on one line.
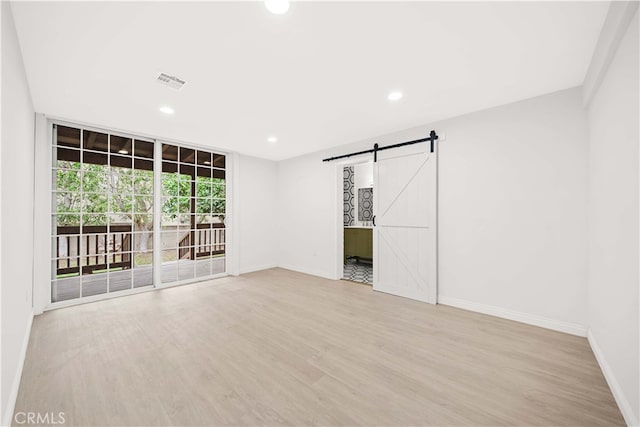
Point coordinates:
[[204, 158], [184, 220], [121, 202], [219, 173], [66, 220], [169, 273], [186, 268], [170, 184], [169, 208], [189, 170], [169, 238], [94, 284], [120, 181], [69, 137], [95, 203], [143, 149], [67, 202], [218, 264], [184, 186], [203, 267], [169, 167], [204, 172], [67, 254], [68, 179], [142, 276], [121, 145], [94, 220], [219, 189], [187, 155], [121, 161], [143, 204], [184, 205], [65, 289], [95, 178], [119, 279], [143, 180], [69, 263], [219, 161], [120, 220], [66, 166], [66, 155], [143, 258], [94, 246], [169, 152], [95, 141], [203, 207], [119, 240], [89, 157], [146, 165], [203, 187], [219, 206], [142, 223], [218, 241]]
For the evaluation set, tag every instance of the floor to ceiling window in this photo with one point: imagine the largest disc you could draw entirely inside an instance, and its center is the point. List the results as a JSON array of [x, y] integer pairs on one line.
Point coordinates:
[[193, 213], [103, 213]]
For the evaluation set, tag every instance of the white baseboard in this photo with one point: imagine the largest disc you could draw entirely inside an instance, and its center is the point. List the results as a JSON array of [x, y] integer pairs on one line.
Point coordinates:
[[309, 272], [530, 319], [15, 386], [616, 390], [257, 268]]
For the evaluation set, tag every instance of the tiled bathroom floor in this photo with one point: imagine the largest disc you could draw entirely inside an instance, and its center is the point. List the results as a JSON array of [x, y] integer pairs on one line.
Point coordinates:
[[358, 272]]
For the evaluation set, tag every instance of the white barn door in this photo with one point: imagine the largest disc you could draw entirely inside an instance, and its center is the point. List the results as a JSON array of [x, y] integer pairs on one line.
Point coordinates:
[[405, 232]]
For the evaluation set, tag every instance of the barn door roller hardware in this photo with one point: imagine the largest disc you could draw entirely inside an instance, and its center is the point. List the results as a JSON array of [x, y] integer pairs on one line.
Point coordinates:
[[432, 139]]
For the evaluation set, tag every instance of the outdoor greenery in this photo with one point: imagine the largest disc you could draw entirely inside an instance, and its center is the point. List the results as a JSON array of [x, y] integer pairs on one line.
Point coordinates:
[[176, 192], [129, 191], [123, 195]]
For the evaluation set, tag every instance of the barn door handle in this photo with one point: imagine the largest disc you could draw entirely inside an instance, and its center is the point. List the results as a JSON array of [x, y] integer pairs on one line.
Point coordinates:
[[374, 220]]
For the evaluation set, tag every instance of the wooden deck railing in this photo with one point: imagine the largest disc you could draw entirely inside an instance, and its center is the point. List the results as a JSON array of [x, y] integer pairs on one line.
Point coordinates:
[[101, 248], [209, 239], [98, 248]]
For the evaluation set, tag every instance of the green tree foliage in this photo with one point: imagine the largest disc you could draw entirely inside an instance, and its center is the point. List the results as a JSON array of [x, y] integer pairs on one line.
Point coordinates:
[[209, 192], [124, 195]]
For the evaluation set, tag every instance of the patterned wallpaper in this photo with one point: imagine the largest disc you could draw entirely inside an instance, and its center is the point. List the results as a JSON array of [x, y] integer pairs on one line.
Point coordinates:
[[349, 196], [365, 204]]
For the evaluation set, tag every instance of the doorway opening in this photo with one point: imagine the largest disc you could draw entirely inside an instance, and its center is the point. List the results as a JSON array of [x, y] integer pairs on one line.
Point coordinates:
[[404, 218], [358, 223]]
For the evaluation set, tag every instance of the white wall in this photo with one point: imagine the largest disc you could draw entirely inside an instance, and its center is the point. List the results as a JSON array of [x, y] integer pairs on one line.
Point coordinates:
[[513, 199], [257, 212], [613, 225], [17, 212]]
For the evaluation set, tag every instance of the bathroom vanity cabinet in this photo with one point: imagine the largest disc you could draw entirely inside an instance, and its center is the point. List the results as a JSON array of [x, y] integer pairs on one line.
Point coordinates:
[[358, 242]]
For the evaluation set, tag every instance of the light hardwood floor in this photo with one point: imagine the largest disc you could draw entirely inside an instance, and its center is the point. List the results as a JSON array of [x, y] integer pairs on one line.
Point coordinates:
[[282, 348]]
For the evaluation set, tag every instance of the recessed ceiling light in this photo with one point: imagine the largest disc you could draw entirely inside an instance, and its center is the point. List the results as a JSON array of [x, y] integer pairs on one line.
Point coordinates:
[[395, 95], [272, 139], [167, 110], [123, 152], [277, 7]]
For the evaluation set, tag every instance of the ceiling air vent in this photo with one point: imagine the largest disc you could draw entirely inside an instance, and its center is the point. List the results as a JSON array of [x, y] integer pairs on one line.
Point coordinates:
[[171, 81]]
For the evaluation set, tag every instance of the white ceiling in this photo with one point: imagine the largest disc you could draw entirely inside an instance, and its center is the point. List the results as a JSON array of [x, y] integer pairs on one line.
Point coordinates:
[[315, 78]]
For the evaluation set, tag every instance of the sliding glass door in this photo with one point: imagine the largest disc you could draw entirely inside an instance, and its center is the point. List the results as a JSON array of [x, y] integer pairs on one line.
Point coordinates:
[[103, 213], [193, 213]]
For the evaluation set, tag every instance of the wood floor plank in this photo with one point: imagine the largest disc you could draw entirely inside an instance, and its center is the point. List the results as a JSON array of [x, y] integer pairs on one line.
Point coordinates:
[[282, 348]]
